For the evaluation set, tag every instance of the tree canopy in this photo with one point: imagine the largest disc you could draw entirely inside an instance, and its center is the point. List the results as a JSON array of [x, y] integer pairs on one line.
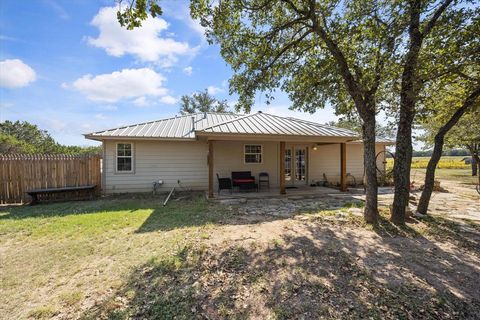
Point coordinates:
[[202, 102], [24, 137]]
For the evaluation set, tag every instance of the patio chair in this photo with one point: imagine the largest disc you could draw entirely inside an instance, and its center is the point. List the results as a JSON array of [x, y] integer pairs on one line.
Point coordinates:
[[264, 179], [244, 181], [224, 184]]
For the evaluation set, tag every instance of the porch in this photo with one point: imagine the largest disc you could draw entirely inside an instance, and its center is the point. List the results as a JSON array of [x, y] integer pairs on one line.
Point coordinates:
[[274, 193], [292, 166]]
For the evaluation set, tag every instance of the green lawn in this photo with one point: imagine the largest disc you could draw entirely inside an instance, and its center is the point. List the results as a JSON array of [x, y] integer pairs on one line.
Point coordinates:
[[55, 255]]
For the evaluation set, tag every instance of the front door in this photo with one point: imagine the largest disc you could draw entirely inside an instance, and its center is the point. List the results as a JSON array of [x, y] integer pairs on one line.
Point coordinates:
[[295, 165]]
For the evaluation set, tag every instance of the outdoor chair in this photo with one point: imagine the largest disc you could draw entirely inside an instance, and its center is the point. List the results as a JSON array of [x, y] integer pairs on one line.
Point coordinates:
[[264, 179], [243, 180], [224, 184]]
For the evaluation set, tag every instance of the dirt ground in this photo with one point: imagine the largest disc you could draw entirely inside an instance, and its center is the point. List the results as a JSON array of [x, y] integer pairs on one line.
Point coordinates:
[[195, 259], [321, 266]]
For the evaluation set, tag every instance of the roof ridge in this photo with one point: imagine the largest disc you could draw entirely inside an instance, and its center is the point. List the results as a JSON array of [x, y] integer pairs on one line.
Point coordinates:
[[160, 120], [322, 124], [231, 120]]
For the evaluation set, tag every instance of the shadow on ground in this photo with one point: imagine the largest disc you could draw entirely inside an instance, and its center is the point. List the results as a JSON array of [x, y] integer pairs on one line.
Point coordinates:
[[315, 270]]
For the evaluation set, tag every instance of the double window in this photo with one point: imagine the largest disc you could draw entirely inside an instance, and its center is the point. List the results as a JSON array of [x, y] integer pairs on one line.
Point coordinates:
[[253, 153], [124, 157]]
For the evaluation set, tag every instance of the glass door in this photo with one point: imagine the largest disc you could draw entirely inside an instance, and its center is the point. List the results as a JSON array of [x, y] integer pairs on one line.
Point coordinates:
[[300, 165], [295, 165], [288, 166]]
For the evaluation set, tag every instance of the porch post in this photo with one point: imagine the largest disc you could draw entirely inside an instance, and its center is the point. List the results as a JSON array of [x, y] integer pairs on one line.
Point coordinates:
[[210, 168], [282, 167], [343, 167]]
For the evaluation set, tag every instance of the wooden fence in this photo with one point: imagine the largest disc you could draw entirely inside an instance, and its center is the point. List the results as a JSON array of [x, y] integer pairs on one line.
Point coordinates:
[[21, 172]]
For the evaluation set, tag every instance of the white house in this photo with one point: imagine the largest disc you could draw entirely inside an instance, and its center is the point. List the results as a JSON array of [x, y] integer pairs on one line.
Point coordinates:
[[194, 148]]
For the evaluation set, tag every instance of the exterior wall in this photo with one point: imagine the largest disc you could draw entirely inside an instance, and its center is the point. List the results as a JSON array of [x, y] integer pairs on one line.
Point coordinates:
[[228, 156], [186, 161], [158, 160], [326, 159]]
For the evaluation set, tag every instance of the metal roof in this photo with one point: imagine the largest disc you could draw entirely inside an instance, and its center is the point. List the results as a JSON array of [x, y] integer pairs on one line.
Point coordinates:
[[268, 124], [377, 140], [180, 127], [188, 126]]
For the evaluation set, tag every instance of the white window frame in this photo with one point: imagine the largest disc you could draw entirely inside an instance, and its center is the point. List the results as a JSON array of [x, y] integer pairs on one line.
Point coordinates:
[[132, 156], [245, 153]]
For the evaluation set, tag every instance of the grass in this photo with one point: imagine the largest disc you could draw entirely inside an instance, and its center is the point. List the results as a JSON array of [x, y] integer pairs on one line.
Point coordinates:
[[54, 255], [449, 168], [129, 257], [446, 162], [463, 176]]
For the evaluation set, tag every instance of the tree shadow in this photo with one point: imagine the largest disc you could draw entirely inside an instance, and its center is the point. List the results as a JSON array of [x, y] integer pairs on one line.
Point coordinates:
[[323, 272]]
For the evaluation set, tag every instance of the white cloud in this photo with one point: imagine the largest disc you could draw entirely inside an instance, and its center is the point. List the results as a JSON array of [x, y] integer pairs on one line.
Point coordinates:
[[145, 42], [124, 84], [168, 100], [15, 74], [214, 90], [140, 102], [188, 70]]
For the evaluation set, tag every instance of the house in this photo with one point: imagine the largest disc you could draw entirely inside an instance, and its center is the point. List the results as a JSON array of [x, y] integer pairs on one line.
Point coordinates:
[[194, 148]]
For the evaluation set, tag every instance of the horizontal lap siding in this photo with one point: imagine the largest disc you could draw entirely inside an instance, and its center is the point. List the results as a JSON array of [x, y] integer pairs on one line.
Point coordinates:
[[159, 160], [229, 156], [326, 159]]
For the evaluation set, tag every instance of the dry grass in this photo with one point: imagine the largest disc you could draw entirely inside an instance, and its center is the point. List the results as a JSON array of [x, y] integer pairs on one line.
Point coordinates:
[[131, 258], [446, 162]]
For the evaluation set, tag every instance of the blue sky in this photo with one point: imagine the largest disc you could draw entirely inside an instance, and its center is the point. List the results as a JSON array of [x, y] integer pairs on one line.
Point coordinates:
[[69, 68]]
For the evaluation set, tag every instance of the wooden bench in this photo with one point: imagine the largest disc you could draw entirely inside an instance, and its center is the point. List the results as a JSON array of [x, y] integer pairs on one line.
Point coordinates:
[[48, 192]]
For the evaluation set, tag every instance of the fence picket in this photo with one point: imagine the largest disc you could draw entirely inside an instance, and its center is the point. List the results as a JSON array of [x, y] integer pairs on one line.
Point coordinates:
[[20, 172]]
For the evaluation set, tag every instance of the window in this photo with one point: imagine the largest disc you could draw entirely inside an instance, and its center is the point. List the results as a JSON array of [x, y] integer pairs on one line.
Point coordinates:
[[253, 153], [124, 157]]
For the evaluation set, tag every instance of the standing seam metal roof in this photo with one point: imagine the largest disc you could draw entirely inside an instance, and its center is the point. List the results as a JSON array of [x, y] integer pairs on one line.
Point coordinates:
[[267, 124], [186, 127]]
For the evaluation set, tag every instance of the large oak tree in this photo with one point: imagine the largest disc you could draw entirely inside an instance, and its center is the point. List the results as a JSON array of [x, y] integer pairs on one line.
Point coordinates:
[[319, 52]]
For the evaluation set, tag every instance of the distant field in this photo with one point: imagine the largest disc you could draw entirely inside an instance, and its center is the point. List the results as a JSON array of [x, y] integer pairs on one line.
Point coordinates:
[[449, 168], [446, 162]]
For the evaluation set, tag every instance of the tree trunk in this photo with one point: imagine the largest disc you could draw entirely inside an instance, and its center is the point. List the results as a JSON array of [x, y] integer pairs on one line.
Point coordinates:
[[408, 100], [474, 166], [371, 187], [437, 150], [430, 175]]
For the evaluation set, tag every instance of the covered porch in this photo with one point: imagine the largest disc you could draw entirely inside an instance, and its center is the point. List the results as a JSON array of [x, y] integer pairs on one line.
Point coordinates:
[[294, 167]]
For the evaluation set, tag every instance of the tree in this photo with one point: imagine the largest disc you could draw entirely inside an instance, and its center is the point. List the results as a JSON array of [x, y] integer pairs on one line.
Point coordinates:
[[425, 19], [131, 13], [202, 102], [452, 103], [24, 137], [449, 83], [318, 52], [9, 144], [348, 53], [29, 133], [353, 123]]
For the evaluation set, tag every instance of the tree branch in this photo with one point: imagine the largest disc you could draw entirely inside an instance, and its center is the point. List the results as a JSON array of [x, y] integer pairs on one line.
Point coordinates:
[[436, 15]]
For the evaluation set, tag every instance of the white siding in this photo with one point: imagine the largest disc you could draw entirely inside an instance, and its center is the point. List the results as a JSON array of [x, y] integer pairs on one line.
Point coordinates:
[[326, 159], [187, 161], [159, 160], [228, 157]]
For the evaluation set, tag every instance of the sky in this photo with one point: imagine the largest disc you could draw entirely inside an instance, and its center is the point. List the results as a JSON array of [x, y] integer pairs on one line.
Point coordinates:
[[68, 67]]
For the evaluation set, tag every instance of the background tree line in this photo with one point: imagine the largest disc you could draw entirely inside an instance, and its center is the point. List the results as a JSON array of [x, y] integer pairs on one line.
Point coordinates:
[[24, 137]]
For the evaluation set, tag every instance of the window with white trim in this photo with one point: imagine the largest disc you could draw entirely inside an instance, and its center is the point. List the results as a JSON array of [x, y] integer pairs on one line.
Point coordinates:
[[253, 153], [124, 157]]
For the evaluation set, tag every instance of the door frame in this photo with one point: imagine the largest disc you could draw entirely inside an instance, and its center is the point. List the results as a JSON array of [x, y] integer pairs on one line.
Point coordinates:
[[293, 181]]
